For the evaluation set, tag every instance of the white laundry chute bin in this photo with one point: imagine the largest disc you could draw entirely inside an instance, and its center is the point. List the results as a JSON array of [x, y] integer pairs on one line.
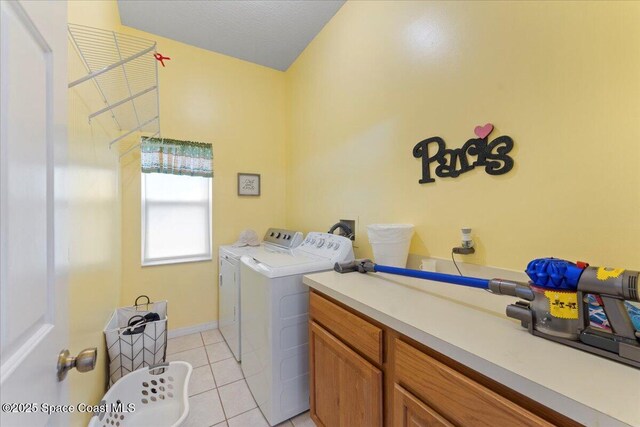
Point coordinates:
[[390, 243]]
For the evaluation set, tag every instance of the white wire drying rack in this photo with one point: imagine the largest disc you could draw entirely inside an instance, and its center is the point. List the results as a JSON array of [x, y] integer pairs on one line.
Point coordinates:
[[125, 73]]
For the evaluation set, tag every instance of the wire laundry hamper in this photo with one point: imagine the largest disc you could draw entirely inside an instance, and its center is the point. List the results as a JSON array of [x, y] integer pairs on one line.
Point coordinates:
[[133, 341]]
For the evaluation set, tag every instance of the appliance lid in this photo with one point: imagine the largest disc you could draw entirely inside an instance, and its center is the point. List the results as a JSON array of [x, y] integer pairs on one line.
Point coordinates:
[[282, 259], [237, 252], [285, 267]]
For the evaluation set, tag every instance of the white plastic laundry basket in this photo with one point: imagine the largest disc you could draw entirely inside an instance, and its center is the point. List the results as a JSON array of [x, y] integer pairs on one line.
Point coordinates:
[[148, 397], [390, 243]]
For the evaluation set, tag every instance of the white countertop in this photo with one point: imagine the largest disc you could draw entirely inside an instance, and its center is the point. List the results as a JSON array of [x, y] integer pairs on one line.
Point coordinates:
[[470, 326]]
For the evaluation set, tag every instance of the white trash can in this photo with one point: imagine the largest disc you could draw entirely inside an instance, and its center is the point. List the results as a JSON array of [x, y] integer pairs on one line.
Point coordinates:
[[390, 243]]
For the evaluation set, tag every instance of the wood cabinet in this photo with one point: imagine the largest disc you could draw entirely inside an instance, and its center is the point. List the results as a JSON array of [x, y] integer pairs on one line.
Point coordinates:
[[351, 357], [455, 396], [346, 390]]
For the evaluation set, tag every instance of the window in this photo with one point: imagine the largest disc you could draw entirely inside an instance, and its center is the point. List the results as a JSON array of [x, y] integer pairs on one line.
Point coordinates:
[[176, 218]]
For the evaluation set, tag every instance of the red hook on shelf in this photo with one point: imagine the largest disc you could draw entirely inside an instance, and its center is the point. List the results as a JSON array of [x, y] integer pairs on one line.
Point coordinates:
[[160, 58]]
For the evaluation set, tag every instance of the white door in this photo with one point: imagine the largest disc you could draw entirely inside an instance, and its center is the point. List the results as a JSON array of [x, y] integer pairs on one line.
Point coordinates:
[[33, 250]]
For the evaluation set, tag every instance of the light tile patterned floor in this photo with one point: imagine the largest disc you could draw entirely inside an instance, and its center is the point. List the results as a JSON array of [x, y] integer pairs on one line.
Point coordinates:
[[218, 393]]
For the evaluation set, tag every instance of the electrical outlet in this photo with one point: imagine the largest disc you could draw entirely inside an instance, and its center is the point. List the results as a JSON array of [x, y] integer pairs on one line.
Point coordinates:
[[463, 251]]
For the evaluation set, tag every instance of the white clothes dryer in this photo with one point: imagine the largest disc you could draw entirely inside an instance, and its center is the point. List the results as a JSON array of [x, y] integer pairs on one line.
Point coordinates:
[[274, 316], [229, 281]]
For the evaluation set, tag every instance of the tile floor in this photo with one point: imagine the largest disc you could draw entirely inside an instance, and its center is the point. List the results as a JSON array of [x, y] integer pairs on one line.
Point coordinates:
[[218, 393]]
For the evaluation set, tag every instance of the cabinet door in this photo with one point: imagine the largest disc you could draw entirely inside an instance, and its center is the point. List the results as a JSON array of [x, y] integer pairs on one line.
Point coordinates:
[[408, 411], [346, 390]]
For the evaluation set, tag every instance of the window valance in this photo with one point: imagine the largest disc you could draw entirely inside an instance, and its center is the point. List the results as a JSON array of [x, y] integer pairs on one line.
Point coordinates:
[[171, 156]]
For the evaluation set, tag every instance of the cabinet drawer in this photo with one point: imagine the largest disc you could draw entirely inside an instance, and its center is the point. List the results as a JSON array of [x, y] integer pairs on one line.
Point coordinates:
[[353, 330], [455, 396], [409, 411]]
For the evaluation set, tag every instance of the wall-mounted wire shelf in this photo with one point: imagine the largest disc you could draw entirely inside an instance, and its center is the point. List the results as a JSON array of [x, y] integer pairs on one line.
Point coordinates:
[[125, 73]]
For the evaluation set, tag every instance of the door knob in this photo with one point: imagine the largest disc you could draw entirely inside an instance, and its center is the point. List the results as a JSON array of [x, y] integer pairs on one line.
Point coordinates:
[[85, 361]]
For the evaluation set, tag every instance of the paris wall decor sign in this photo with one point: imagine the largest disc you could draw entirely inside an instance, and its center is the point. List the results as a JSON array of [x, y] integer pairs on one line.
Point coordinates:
[[450, 163]]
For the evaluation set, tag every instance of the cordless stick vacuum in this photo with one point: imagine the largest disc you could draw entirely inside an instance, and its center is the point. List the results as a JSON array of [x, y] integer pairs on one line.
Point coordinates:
[[556, 302]]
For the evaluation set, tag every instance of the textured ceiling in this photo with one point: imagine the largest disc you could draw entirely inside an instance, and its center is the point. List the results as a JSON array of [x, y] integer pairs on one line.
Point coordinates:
[[269, 32]]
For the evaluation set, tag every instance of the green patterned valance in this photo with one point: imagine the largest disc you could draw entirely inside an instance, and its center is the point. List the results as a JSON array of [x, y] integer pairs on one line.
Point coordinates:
[[162, 155]]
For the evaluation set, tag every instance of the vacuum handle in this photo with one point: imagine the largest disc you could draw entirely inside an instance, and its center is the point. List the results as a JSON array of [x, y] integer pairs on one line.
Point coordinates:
[[618, 317]]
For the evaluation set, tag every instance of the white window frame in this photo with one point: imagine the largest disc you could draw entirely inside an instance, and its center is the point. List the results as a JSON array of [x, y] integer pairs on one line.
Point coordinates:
[[177, 259]]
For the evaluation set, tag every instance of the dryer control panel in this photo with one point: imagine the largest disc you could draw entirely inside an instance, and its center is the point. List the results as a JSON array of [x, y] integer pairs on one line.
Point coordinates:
[[284, 238], [331, 246]]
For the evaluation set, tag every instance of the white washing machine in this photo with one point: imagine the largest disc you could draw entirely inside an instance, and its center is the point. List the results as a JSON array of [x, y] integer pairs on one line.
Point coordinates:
[[229, 280], [274, 330]]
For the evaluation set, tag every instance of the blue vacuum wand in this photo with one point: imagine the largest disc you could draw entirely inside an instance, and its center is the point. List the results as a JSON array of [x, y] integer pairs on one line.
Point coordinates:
[[496, 286], [555, 303], [471, 282]]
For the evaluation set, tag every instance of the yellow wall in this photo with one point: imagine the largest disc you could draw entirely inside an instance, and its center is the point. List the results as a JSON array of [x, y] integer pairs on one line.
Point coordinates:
[[333, 137], [562, 79], [94, 217], [239, 108], [235, 105]]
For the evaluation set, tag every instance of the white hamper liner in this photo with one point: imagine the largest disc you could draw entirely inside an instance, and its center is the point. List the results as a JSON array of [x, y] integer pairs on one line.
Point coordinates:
[[159, 394], [390, 243]]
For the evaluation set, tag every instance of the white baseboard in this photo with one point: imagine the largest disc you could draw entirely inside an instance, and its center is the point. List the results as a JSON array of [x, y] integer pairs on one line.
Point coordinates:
[[173, 333]]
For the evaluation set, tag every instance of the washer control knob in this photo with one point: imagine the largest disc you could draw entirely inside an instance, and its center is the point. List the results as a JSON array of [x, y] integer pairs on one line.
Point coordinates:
[[336, 246], [330, 245], [320, 243], [278, 236]]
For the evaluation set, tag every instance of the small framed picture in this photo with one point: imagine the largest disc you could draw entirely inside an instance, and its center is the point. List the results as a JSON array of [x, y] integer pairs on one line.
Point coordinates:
[[248, 184]]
